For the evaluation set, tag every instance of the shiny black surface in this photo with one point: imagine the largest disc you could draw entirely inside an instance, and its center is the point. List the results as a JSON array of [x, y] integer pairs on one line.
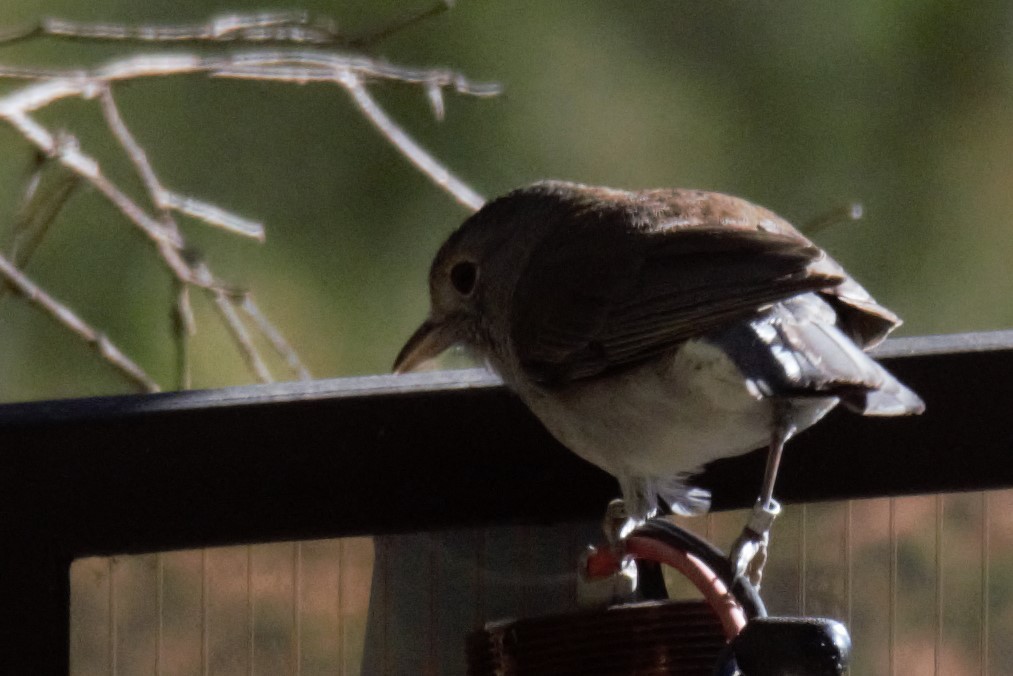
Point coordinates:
[[398, 454]]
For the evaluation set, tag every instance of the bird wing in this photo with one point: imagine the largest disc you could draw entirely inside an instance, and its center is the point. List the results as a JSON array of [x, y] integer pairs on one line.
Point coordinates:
[[797, 349], [863, 319], [617, 286]]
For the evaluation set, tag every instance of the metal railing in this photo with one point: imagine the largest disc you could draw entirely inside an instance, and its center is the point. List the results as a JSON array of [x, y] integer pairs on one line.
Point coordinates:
[[382, 455]]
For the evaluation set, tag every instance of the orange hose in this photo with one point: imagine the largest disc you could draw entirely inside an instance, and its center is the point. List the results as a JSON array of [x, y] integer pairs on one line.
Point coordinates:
[[714, 590]]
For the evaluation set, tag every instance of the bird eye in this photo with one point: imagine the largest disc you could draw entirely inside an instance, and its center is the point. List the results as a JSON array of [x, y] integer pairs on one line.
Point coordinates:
[[463, 276]]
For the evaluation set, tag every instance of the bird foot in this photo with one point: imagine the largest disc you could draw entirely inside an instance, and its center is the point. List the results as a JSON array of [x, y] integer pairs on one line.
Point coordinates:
[[607, 574], [749, 553]]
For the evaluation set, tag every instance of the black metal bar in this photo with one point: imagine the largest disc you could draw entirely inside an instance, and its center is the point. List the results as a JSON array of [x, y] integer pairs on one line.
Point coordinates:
[[34, 604], [961, 443], [397, 454]]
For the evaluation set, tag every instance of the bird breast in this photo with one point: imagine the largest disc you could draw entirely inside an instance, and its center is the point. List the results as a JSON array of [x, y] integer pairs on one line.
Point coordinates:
[[665, 417]]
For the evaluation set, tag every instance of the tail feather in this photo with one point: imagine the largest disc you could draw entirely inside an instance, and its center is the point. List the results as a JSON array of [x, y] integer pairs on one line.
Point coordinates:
[[641, 496], [797, 349], [684, 500], [891, 399]]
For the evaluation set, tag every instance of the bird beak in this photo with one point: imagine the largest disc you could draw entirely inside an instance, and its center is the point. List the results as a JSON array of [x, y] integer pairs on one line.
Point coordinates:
[[428, 341]]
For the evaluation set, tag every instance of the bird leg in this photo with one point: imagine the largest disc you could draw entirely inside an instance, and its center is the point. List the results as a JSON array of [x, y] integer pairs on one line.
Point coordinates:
[[608, 574], [749, 553]]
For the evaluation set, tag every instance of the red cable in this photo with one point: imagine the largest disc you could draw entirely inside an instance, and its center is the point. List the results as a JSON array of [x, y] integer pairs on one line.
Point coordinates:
[[714, 591]]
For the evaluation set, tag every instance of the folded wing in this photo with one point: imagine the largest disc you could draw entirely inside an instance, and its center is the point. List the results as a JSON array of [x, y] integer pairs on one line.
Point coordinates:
[[639, 289]]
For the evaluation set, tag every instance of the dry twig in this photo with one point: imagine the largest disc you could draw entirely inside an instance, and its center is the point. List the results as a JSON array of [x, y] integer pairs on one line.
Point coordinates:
[[284, 27], [66, 317], [302, 60]]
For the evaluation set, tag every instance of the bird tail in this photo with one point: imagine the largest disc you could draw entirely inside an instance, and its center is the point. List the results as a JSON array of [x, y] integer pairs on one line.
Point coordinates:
[[796, 349], [643, 496], [681, 498], [890, 399]]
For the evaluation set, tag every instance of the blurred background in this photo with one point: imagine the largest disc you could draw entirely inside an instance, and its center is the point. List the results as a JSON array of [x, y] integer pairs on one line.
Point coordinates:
[[904, 106], [802, 107]]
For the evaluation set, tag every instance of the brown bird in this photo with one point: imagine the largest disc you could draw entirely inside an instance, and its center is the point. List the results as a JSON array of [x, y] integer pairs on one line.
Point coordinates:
[[655, 331]]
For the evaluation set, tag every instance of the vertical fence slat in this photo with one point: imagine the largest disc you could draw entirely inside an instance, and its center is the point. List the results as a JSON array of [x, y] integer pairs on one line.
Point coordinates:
[[90, 621], [135, 581], [985, 599], [803, 558], [297, 588], [113, 612], [456, 597], [273, 624], [251, 612], [160, 611], [914, 577], [205, 624], [358, 557], [892, 599], [783, 575], [849, 564], [182, 621], [938, 634], [432, 659], [319, 628]]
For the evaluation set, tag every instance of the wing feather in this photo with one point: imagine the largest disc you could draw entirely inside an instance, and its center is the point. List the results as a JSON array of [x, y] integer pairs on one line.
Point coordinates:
[[623, 289]]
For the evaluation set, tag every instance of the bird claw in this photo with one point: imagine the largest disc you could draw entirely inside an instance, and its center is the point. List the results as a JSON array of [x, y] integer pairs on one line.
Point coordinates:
[[749, 553], [608, 575], [618, 523]]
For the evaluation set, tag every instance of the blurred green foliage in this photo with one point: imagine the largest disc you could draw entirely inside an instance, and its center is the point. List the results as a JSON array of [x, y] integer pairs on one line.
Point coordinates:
[[801, 107]]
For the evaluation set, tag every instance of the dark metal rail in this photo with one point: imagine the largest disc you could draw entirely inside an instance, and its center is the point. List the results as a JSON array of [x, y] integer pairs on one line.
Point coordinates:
[[391, 454]]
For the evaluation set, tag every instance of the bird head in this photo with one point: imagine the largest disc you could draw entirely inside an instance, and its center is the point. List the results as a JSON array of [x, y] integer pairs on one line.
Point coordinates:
[[474, 273]]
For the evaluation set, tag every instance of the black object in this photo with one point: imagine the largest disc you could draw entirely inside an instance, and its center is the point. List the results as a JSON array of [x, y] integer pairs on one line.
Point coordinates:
[[302, 460], [651, 582], [788, 646], [653, 638], [663, 637], [667, 532]]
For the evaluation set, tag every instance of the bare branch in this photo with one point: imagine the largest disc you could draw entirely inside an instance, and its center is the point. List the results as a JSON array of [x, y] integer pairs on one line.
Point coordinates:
[[313, 65], [425, 162], [848, 213], [396, 26], [281, 28], [184, 326], [292, 66], [292, 27], [20, 33], [213, 215], [296, 27], [298, 66], [66, 317], [67, 151], [133, 149], [46, 192], [165, 199], [164, 234], [242, 337], [302, 65], [273, 335]]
